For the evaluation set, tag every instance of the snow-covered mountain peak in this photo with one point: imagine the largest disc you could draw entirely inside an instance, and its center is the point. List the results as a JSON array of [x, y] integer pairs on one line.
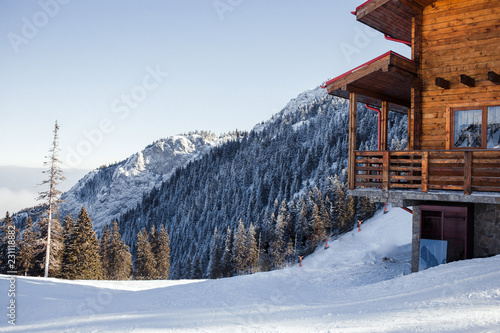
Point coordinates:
[[110, 191]]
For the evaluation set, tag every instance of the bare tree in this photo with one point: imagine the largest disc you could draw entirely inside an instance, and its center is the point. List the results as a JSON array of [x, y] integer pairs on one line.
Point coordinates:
[[55, 174]]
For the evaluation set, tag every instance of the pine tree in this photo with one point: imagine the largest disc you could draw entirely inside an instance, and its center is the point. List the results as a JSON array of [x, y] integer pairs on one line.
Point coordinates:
[[104, 244], [84, 248], [301, 228], [69, 256], [119, 258], [26, 256], [215, 264], [52, 194], [282, 245], [56, 247], [8, 245], [240, 251], [162, 253], [318, 228], [366, 208], [253, 249], [145, 262], [227, 262], [196, 269]]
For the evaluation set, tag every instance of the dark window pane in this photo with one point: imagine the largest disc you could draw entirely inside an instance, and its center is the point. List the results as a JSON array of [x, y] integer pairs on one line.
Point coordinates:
[[493, 133], [468, 128]]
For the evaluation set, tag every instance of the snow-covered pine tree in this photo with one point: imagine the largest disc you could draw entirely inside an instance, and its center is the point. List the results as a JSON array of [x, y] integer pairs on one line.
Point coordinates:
[[282, 244], [8, 249], [26, 257], [215, 264], [119, 258], [318, 229], [145, 262], [69, 255], [85, 248], [162, 253], [240, 251], [104, 244], [56, 247], [227, 262], [196, 272], [52, 194], [253, 249]]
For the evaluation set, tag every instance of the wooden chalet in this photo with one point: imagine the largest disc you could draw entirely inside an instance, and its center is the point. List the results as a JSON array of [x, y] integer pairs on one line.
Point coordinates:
[[450, 91]]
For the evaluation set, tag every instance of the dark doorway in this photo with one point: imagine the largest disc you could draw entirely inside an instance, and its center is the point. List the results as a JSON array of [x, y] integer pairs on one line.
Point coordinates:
[[453, 224]]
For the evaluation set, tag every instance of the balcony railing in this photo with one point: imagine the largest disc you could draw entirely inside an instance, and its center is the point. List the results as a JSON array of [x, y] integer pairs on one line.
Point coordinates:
[[464, 170]]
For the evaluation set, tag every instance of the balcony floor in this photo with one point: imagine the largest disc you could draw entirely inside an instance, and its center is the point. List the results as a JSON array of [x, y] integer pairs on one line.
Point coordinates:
[[410, 197]]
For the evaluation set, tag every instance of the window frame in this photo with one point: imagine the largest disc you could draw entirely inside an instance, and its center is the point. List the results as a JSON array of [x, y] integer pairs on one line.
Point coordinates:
[[484, 125]]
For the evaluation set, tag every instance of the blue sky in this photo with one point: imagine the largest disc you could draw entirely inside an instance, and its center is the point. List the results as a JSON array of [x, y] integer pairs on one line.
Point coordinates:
[[118, 75]]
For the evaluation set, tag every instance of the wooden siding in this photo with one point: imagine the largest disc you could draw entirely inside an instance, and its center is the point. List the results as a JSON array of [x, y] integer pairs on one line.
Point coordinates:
[[457, 37]]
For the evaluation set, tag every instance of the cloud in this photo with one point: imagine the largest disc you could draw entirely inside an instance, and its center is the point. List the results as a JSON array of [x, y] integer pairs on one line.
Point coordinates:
[[12, 201]]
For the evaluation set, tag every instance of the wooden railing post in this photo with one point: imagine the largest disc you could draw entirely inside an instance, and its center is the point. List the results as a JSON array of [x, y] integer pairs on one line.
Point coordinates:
[[467, 172], [425, 171], [385, 170], [351, 176]]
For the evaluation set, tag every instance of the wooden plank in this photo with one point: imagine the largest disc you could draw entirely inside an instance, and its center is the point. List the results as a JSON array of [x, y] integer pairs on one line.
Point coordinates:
[[405, 178], [362, 184], [467, 172], [486, 188], [399, 185], [378, 177], [405, 169], [445, 187]]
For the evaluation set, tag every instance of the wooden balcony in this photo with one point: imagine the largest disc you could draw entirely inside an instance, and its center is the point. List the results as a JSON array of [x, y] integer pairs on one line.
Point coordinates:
[[463, 170]]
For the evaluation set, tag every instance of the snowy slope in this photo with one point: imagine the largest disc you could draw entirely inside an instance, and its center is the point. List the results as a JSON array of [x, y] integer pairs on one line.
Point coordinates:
[[109, 192], [347, 288]]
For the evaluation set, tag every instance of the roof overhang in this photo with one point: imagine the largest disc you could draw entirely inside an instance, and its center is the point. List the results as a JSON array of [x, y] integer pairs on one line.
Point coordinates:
[[385, 78], [391, 17]]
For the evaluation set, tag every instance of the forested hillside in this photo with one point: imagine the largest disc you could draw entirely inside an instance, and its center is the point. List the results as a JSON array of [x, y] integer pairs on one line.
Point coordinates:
[[283, 181], [235, 203]]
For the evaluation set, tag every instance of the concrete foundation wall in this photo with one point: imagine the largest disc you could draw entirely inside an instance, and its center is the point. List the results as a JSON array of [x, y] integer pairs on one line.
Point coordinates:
[[486, 230]]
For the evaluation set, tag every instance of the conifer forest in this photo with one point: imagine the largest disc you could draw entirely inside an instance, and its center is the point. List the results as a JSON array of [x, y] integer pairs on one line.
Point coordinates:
[[253, 203]]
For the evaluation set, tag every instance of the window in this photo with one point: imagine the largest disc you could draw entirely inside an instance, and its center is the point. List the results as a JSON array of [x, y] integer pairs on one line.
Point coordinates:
[[476, 127]]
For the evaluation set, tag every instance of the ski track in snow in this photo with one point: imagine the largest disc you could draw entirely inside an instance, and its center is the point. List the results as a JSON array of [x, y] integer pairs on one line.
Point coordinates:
[[347, 288]]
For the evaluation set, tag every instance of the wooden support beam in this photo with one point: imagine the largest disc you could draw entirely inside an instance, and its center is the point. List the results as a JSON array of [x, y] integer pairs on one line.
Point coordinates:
[[425, 171], [384, 119], [385, 171], [494, 77], [353, 109], [467, 80], [415, 125], [467, 172], [442, 83]]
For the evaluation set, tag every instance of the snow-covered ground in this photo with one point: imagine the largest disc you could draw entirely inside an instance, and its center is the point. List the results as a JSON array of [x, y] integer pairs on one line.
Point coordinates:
[[360, 284]]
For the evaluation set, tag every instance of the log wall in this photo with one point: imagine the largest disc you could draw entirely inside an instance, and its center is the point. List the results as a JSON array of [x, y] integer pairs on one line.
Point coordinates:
[[457, 37]]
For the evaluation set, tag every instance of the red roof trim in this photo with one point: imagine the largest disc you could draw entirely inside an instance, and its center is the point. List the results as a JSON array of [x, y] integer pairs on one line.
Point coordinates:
[[363, 65], [360, 6]]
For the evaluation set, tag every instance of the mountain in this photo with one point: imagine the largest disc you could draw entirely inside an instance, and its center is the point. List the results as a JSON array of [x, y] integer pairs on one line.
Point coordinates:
[[110, 191], [298, 155], [198, 182]]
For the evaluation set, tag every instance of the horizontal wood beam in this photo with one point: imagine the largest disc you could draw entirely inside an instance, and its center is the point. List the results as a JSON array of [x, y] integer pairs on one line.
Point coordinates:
[[494, 77], [381, 97], [442, 83], [467, 80]]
